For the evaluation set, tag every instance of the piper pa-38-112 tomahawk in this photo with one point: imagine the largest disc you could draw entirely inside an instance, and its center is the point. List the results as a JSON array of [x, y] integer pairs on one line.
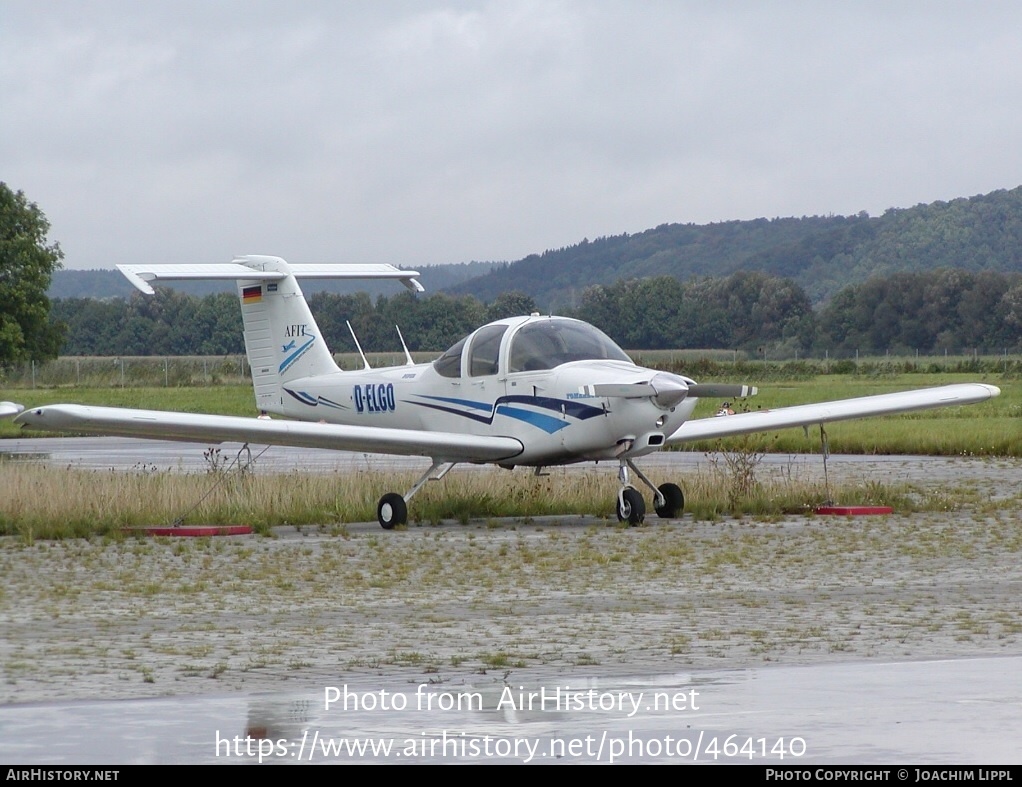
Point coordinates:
[[535, 391]]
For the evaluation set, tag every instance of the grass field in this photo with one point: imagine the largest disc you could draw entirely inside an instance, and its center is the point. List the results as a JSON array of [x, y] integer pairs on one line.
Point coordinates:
[[992, 428], [45, 503]]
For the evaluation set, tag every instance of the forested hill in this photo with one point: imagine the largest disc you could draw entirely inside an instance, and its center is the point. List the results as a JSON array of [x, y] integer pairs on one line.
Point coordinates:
[[822, 254]]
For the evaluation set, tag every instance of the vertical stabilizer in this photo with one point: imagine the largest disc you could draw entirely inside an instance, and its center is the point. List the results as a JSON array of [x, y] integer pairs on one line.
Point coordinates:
[[281, 337]]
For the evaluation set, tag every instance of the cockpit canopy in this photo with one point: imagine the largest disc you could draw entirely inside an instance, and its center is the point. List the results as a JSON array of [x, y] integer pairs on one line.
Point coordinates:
[[533, 344]]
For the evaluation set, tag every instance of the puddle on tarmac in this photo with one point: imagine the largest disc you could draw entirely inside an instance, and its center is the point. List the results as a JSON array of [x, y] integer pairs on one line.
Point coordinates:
[[958, 711]]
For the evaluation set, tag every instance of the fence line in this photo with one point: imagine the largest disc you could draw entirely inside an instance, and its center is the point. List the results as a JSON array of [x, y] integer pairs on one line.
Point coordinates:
[[197, 370], [155, 371]]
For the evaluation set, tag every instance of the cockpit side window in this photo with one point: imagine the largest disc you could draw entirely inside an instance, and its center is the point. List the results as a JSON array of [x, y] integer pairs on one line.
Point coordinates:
[[485, 352], [532, 349], [549, 343], [449, 364]]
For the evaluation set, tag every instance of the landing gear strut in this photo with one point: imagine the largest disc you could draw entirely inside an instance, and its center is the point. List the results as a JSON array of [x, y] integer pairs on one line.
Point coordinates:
[[392, 510], [631, 508], [668, 499]]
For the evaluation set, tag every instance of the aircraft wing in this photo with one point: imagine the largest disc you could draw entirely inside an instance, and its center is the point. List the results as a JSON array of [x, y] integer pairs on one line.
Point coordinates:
[[7, 409], [192, 427], [825, 412]]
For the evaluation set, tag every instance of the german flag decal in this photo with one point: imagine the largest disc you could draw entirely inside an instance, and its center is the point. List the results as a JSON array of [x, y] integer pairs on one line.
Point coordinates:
[[252, 294]]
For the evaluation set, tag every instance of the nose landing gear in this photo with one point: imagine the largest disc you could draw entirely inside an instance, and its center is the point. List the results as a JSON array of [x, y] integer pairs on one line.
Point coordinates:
[[631, 507], [668, 499]]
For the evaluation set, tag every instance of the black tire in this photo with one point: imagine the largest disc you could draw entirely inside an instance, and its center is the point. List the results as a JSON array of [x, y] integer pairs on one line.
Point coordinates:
[[674, 501], [392, 511], [634, 508]]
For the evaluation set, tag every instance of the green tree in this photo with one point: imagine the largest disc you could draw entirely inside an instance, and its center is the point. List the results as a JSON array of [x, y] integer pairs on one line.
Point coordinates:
[[513, 303], [27, 261]]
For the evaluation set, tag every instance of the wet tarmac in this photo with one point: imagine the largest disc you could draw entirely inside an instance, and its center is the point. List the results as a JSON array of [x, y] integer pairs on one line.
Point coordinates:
[[956, 712], [128, 454]]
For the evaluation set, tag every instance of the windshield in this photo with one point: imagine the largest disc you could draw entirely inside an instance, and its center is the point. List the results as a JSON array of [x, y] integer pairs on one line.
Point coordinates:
[[545, 344], [449, 364]]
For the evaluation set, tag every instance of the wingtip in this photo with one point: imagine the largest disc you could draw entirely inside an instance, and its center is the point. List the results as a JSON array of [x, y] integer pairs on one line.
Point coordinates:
[[137, 281], [8, 409]]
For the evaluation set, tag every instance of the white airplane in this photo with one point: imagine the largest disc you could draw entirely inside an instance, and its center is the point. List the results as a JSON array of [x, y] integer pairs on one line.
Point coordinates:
[[536, 391]]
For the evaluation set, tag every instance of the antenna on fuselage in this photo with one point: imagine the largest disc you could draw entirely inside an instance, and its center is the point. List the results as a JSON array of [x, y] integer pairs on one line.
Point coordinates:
[[365, 361], [408, 355]]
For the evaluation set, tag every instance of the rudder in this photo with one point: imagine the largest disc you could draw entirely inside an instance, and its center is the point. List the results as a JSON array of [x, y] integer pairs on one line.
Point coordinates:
[[282, 338]]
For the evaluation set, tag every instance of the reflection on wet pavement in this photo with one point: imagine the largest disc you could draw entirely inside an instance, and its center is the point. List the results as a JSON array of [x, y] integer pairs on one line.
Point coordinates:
[[955, 711]]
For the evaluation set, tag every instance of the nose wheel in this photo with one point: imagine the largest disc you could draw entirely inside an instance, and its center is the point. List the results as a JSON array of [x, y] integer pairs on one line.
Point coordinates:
[[631, 508], [673, 501], [668, 499]]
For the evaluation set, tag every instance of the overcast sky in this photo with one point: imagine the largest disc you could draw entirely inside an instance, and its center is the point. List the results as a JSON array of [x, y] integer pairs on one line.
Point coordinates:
[[430, 132]]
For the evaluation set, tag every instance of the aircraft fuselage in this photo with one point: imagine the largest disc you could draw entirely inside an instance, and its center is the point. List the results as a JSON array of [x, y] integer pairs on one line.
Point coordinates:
[[550, 412]]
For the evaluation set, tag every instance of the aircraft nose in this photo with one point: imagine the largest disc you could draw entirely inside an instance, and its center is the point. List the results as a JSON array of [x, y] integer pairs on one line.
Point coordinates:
[[670, 389]]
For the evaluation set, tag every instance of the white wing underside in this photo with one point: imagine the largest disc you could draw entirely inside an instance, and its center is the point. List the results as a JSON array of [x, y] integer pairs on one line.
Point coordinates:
[[448, 446], [7, 409], [191, 427], [826, 412]]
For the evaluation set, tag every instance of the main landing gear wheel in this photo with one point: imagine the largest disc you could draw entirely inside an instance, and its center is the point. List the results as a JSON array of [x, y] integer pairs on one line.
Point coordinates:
[[392, 511], [630, 507], [674, 501]]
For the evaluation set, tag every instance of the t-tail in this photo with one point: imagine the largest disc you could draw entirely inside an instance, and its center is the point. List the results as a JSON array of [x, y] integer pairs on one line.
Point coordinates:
[[281, 336], [282, 339]]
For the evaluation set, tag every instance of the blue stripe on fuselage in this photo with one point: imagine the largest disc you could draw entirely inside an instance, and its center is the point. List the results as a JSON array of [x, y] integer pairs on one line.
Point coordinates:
[[547, 423], [315, 401]]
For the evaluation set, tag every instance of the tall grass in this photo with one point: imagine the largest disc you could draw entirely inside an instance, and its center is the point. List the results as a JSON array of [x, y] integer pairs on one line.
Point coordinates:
[[41, 502]]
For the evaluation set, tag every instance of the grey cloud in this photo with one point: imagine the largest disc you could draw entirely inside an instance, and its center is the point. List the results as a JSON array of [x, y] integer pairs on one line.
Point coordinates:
[[439, 132]]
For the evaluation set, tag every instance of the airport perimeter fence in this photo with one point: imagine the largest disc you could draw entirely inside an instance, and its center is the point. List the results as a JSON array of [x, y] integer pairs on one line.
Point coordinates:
[[767, 364], [197, 370], [160, 371]]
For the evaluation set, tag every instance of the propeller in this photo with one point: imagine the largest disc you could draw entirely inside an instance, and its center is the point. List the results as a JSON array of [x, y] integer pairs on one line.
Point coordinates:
[[667, 390], [721, 391], [622, 390]]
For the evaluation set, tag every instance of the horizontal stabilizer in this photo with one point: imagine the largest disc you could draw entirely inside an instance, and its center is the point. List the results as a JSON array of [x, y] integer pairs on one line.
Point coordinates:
[[721, 391], [252, 268]]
